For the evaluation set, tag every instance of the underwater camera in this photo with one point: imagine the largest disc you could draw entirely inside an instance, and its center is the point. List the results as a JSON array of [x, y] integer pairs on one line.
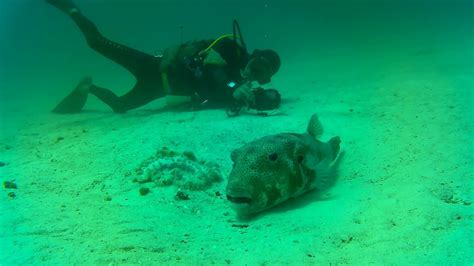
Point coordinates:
[[265, 100]]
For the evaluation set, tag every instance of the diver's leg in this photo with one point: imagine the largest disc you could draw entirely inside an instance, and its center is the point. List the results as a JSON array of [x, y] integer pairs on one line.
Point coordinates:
[[109, 98], [140, 95], [143, 66], [131, 59], [143, 93], [66, 6]]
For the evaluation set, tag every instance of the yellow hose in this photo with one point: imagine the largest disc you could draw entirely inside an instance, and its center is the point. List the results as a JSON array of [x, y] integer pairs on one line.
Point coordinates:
[[215, 42]]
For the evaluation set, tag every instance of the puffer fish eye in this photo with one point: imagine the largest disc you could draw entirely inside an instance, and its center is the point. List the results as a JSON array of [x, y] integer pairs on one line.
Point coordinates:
[[273, 157]]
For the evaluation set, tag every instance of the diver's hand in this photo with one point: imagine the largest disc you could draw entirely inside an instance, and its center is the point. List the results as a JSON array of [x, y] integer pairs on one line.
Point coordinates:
[[244, 94]]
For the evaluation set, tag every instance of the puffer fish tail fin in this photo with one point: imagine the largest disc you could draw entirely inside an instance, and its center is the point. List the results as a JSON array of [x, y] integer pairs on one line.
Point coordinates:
[[315, 128]]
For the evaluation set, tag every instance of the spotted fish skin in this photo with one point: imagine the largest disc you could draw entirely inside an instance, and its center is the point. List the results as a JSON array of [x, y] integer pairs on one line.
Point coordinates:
[[272, 169]]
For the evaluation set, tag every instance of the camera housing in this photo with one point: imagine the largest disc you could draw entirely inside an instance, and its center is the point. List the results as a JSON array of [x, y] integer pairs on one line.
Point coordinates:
[[266, 99]]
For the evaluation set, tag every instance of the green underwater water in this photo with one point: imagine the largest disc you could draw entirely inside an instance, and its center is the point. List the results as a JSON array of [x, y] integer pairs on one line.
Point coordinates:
[[394, 79]]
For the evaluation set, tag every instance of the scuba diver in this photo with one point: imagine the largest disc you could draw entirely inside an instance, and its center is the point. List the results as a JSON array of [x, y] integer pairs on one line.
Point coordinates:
[[212, 72]]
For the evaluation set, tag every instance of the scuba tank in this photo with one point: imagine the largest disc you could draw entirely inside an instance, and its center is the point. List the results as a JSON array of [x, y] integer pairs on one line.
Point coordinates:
[[196, 62]]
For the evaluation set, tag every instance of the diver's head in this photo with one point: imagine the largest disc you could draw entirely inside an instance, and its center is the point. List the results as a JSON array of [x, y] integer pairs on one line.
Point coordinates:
[[262, 65]]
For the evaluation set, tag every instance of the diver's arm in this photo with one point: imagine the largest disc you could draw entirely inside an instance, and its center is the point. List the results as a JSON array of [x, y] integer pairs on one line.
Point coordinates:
[[244, 94]]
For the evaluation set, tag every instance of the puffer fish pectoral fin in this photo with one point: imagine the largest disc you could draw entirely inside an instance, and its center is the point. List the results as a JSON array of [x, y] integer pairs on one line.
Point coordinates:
[[310, 161], [327, 172], [327, 167], [315, 128], [306, 153], [335, 146]]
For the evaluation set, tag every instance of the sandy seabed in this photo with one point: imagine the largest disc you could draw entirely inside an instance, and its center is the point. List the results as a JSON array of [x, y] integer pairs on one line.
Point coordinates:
[[404, 193]]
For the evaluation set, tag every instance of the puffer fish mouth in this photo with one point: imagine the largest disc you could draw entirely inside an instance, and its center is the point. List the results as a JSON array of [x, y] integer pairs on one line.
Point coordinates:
[[239, 200]]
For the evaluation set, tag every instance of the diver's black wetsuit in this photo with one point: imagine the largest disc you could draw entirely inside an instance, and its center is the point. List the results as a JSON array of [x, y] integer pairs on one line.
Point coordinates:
[[144, 67], [206, 82]]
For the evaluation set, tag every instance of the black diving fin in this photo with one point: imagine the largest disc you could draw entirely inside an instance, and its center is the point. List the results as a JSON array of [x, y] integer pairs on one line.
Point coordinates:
[[75, 101]]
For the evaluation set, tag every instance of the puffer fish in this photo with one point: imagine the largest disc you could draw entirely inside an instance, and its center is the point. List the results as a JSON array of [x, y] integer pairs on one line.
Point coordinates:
[[272, 169]]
